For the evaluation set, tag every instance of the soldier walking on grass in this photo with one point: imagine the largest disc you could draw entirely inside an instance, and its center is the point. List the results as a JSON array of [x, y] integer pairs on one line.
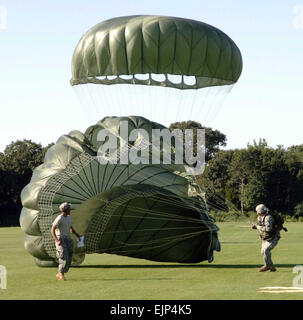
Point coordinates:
[[270, 235], [61, 229]]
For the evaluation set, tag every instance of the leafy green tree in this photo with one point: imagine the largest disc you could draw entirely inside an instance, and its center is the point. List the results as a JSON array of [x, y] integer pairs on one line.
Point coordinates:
[[17, 163], [214, 139], [257, 174], [215, 178], [239, 171], [299, 210]]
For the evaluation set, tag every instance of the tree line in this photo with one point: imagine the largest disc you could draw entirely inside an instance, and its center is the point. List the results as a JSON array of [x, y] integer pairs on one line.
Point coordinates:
[[233, 180], [242, 178], [17, 163]]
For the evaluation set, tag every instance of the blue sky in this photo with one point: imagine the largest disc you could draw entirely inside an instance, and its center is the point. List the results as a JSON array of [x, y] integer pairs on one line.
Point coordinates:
[[38, 40]]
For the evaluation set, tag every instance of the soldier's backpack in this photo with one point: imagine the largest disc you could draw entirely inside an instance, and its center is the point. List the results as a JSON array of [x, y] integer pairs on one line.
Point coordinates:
[[279, 221]]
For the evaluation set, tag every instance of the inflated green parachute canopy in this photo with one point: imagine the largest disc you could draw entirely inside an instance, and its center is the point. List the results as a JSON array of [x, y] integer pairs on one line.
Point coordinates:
[[147, 211], [116, 50]]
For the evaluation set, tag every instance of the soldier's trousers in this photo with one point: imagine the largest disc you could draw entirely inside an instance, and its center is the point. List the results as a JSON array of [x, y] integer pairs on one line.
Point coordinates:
[[267, 246], [64, 253]]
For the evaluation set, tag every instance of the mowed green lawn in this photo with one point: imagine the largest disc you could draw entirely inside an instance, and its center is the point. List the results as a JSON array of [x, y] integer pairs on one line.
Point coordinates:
[[233, 274]]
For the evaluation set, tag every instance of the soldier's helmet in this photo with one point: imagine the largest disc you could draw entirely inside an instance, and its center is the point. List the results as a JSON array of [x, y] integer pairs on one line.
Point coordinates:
[[261, 208], [64, 206]]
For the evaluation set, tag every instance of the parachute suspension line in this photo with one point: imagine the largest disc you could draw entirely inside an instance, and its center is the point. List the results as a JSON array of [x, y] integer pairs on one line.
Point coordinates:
[[122, 102], [214, 103], [134, 99], [141, 174], [205, 103], [224, 92], [102, 102], [215, 205], [78, 91], [108, 212], [161, 105], [179, 101], [193, 104], [100, 106], [219, 205], [200, 108], [86, 103], [142, 105], [145, 242], [113, 98], [94, 100], [188, 99], [177, 238], [147, 246], [147, 105], [149, 101], [160, 98], [164, 218], [144, 230], [130, 100], [118, 106], [117, 100], [153, 103], [114, 105], [172, 99], [165, 104], [162, 214], [165, 214], [167, 241]]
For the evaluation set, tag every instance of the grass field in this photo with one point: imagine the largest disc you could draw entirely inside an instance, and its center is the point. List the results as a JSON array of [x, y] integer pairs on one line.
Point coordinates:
[[233, 274]]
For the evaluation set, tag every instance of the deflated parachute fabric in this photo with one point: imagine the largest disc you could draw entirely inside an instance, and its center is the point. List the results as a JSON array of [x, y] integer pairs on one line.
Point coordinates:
[[146, 211], [148, 222], [147, 45]]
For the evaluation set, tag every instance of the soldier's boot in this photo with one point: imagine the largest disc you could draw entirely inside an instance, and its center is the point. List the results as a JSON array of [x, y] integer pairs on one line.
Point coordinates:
[[264, 268], [60, 276], [272, 269]]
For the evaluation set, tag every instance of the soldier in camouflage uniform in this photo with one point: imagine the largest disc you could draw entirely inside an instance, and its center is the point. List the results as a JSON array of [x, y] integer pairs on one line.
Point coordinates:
[[269, 234], [61, 229]]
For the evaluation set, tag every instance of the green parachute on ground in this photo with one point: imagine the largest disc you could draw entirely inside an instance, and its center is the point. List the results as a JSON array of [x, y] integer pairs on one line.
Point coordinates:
[[150, 211]]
